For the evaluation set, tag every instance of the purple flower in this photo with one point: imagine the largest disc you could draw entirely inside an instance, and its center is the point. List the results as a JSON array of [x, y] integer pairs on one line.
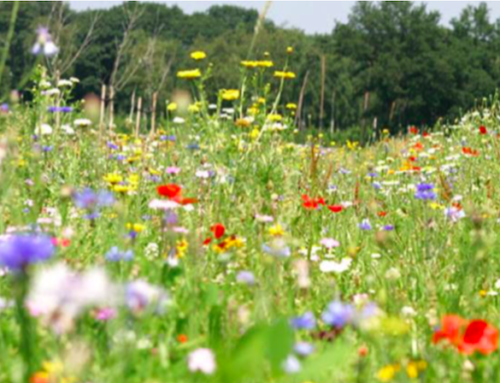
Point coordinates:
[[303, 348], [167, 138], [425, 192], [365, 224], [19, 251], [388, 227], [90, 200], [338, 314], [57, 109], [307, 321], [246, 277], [44, 44], [116, 255], [4, 108]]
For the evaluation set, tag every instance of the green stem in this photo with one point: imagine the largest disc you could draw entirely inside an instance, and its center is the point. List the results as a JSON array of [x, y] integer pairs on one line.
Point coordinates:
[[26, 327], [10, 34]]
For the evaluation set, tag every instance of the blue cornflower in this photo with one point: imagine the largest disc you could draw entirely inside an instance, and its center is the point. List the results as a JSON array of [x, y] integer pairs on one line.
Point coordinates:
[[115, 255], [193, 146], [246, 277], [338, 314], [425, 192], [389, 227], [20, 250], [91, 201], [365, 224], [307, 321], [303, 348], [112, 145], [88, 199], [277, 248]]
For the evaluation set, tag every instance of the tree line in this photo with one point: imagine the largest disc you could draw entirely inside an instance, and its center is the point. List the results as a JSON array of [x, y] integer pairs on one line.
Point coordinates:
[[392, 64]]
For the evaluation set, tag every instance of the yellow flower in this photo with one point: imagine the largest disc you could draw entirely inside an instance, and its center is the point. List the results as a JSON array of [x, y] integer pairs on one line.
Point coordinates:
[[289, 50], [172, 107], [122, 188], [257, 64], [193, 108], [137, 227], [291, 106], [415, 367], [230, 94], [385, 131], [253, 110], [352, 145], [181, 247], [198, 55], [387, 373], [189, 74], [276, 230], [285, 75], [436, 206], [275, 117], [254, 134], [243, 122], [113, 178]]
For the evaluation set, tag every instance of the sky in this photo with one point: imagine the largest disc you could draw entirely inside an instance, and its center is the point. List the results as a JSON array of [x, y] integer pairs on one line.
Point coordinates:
[[310, 16]]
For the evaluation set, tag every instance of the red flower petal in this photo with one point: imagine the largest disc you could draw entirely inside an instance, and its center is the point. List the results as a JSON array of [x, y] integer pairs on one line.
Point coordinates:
[[169, 191], [218, 229], [335, 208]]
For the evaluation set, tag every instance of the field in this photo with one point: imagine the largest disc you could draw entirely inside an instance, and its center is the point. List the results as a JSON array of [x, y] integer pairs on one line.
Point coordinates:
[[220, 246]]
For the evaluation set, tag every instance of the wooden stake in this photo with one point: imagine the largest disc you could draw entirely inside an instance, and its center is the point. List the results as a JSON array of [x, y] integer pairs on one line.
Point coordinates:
[[103, 110], [138, 117], [111, 108], [301, 101], [322, 101], [153, 114], [132, 106]]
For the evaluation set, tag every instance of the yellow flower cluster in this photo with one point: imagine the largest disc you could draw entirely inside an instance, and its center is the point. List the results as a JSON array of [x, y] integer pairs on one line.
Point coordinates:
[[285, 75], [276, 230], [189, 74], [257, 63], [413, 369], [198, 55], [181, 248], [230, 94]]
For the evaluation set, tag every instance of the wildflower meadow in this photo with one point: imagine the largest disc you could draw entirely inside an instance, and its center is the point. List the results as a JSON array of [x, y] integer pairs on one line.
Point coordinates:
[[210, 239]]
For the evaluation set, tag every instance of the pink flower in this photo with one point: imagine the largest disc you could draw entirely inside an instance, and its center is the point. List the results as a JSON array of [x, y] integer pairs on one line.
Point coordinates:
[[202, 360], [173, 170], [330, 243]]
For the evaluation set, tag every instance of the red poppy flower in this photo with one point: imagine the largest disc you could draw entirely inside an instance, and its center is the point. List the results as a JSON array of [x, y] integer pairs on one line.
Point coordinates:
[[335, 208], [207, 241], [479, 336], [413, 130], [451, 326], [185, 201], [470, 151], [483, 130], [218, 229], [382, 213], [312, 203], [425, 134], [170, 191], [182, 338]]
